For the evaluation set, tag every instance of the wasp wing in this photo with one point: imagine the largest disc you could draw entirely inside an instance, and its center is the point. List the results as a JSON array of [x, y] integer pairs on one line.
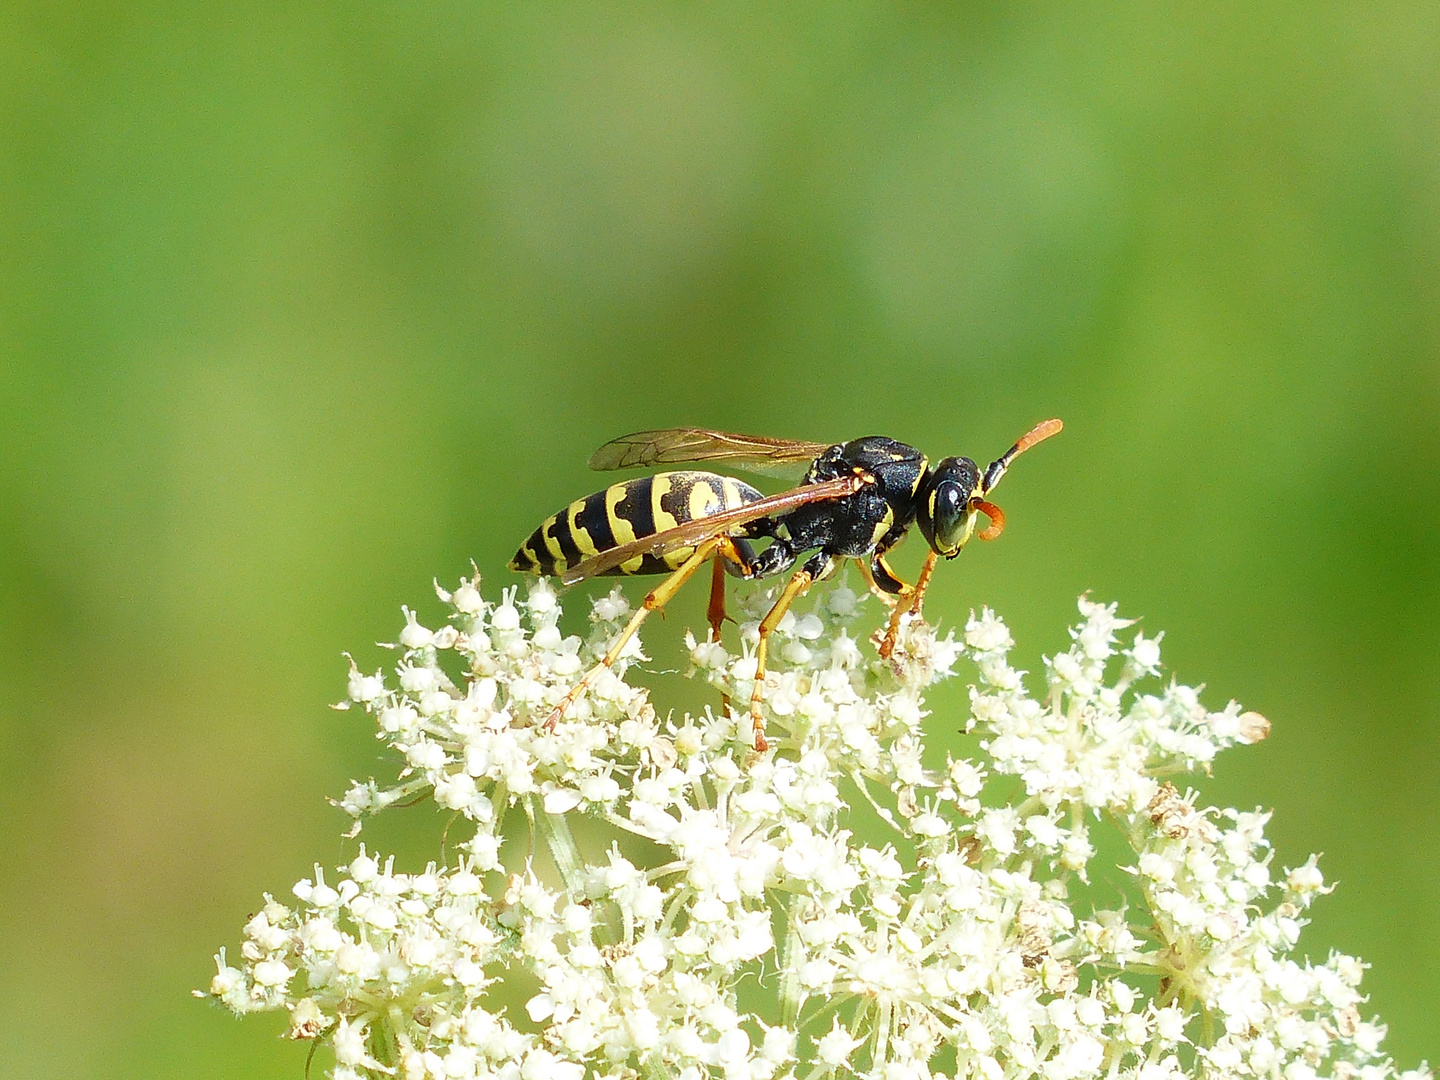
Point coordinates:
[[786, 458], [701, 529]]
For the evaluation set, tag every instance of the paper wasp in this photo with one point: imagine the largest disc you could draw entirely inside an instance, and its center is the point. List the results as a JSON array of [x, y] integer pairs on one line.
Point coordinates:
[[857, 500]]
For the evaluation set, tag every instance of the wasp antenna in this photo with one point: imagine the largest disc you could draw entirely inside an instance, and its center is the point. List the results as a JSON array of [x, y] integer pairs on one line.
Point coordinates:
[[996, 516], [1039, 433]]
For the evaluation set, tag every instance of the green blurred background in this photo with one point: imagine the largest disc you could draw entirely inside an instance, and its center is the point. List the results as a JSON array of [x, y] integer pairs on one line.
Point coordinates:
[[302, 305]]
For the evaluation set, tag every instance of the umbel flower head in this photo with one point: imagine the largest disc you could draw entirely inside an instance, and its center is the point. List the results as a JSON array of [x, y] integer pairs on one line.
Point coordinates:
[[844, 905]]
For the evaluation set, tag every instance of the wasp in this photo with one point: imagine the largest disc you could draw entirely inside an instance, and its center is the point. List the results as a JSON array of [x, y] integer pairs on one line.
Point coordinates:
[[857, 500]]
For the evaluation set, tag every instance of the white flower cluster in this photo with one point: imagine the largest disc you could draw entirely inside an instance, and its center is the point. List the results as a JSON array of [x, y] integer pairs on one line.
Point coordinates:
[[840, 906]]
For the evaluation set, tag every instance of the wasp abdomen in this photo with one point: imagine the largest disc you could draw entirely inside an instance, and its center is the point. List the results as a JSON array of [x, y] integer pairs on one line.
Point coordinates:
[[629, 511]]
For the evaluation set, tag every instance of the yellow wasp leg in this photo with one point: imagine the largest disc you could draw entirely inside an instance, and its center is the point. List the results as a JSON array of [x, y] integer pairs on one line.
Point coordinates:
[[797, 585], [655, 599], [898, 603], [870, 584], [916, 594]]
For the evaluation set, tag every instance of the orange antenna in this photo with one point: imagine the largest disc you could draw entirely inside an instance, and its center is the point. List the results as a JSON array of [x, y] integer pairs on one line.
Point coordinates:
[[1039, 433], [996, 516]]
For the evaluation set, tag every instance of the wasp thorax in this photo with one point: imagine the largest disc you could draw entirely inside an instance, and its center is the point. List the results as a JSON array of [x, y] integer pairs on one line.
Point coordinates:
[[944, 515]]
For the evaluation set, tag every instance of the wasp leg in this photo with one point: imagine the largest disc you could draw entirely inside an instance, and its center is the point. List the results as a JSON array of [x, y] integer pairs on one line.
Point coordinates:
[[715, 613], [886, 585], [886, 579], [734, 557], [815, 569], [872, 584], [655, 599], [798, 584], [916, 595]]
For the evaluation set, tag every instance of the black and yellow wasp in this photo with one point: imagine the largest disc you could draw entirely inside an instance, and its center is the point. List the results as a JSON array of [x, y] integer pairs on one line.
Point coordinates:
[[857, 500]]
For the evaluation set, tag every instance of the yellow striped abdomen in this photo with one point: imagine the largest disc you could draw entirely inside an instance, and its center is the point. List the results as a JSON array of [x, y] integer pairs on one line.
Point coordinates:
[[629, 511]]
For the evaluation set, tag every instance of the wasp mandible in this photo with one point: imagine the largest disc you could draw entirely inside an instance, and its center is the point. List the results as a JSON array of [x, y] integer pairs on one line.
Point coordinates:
[[857, 500]]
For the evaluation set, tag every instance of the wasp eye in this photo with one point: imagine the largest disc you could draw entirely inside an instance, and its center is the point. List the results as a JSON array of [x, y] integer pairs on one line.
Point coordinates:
[[950, 513]]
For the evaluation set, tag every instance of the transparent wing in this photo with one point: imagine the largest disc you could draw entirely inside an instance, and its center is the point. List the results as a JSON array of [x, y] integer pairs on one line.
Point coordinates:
[[702, 529], [753, 453]]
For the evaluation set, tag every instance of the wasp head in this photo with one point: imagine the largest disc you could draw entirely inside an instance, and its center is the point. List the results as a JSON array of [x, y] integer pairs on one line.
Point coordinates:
[[954, 492], [946, 514]]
